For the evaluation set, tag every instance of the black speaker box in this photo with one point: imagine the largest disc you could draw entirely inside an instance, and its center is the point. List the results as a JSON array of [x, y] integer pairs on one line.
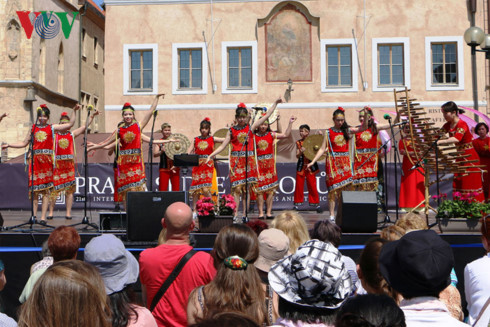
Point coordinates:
[[113, 220], [145, 211], [358, 212]]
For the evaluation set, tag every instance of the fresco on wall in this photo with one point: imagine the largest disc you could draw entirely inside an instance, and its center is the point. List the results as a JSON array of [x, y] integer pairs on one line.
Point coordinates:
[[288, 46]]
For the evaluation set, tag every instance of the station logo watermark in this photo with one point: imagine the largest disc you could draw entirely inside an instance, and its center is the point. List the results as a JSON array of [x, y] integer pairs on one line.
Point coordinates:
[[47, 24]]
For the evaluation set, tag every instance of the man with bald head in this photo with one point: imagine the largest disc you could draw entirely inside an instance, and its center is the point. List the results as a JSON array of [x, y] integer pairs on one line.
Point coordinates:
[[156, 264]]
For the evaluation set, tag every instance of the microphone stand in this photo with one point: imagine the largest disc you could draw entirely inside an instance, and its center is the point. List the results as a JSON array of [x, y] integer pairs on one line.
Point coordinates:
[[85, 221], [150, 150]]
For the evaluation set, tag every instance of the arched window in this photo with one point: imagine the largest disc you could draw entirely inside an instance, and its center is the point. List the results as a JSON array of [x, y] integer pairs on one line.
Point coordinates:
[[61, 69], [13, 39]]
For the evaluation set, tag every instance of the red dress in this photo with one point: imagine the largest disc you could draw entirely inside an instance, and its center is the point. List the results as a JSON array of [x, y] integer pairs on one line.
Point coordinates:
[[412, 187], [168, 173], [482, 147], [202, 175], [64, 169], [366, 176], [237, 158], [338, 165], [43, 160], [130, 166], [266, 163], [472, 182], [302, 174]]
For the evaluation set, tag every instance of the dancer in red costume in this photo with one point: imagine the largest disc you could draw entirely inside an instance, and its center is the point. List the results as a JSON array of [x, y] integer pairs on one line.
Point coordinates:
[[42, 183], [482, 147], [64, 168], [412, 188], [265, 140], [237, 135], [460, 135], [338, 164], [168, 172], [202, 175]]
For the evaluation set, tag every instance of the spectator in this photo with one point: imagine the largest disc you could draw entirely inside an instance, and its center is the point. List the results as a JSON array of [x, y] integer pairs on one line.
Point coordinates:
[[294, 226], [236, 286], [368, 270], [411, 221], [312, 284], [119, 270], [69, 293], [418, 266], [227, 319], [273, 246], [257, 226], [156, 264], [392, 233], [370, 310], [477, 279], [46, 261], [5, 321], [329, 232], [63, 243]]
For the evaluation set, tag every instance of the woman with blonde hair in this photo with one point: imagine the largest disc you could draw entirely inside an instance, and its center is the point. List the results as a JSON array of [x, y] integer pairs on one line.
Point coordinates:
[[237, 286], [294, 226], [69, 293]]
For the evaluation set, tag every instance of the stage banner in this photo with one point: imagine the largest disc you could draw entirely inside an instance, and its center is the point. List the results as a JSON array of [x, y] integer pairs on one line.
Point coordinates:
[[100, 186]]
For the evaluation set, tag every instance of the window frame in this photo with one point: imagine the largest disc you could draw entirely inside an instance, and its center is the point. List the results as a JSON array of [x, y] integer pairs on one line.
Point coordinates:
[[324, 67], [406, 62], [127, 48], [428, 63], [175, 68], [224, 67]]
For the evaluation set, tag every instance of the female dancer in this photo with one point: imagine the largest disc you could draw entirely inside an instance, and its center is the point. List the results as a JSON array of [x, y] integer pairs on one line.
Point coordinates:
[[412, 188], [168, 172], [64, 168], [266, 162], [128, 137], [42, 135], [338, 165], [482, 147], [202, 175], [238, 135], [460, 134]]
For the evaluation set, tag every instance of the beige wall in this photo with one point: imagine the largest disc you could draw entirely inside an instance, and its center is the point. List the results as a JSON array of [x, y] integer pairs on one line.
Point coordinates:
[[164, 24]]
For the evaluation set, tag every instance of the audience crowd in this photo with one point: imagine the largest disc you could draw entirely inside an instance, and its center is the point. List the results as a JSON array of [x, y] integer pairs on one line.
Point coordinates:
[[255, 275]]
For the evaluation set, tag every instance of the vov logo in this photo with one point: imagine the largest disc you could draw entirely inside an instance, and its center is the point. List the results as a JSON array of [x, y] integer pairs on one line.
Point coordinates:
[[46, 24]]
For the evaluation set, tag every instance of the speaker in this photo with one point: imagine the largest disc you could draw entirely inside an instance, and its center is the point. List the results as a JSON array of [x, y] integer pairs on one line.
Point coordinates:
[[358, 212], [112, 220], [145, 211]]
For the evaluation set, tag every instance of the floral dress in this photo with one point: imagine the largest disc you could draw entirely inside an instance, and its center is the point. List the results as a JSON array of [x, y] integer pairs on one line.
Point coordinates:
[[266, 162], [130, 166], [202, 175], [338, 164], [366, 161], [238, 154], [64, 169], [41, 182]]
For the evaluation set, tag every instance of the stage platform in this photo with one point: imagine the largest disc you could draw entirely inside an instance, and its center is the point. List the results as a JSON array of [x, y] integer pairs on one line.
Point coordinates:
[[20, 248]]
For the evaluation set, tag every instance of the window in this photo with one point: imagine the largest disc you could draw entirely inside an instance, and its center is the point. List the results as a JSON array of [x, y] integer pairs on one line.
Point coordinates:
[[239, 70], [338, 73], [391, 64], [84, 34], [140, 69], [189, 68], [444, 63], [96, 57]]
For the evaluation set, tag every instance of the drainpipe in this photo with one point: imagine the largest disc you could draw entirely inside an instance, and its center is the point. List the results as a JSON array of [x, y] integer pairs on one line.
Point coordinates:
[[79, 118]]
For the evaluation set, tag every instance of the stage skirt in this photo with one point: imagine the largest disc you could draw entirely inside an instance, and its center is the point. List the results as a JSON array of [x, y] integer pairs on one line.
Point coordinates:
[[64, 177], [43, 174], [202, 176], [366, 177], [267, 175], [131, 175], [470, 183], [237, 171], [339, 174], [412, 188]]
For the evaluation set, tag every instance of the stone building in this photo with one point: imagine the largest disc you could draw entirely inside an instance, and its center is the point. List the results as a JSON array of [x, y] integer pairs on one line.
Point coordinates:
[[207, 56], [40, 62]]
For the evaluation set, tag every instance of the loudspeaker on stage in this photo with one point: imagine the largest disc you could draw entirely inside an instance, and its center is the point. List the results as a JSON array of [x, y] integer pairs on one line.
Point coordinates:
[[358, 212]]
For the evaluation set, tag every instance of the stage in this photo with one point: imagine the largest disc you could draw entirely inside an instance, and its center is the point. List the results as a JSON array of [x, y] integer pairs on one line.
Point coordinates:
[[20, 248]]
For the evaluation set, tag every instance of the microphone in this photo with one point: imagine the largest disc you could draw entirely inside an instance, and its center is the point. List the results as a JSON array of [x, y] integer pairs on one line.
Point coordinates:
[[400, 124], [90, 107], [387, 116]]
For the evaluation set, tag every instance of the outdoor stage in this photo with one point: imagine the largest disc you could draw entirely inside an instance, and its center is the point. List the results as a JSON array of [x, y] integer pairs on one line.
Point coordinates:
[[20, 248]]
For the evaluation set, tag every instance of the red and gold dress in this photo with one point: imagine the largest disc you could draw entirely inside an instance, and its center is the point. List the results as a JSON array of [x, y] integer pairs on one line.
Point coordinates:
[[302, 174], [366, 176], [482, 147], [412, 188], [42, 181], [237, 159], [64, 168], [131, 169], [337, 165], [202, 175], [472, 182], [266, 163]]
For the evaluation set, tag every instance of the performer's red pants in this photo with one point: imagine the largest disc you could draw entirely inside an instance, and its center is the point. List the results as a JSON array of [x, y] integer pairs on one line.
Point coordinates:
[[168, 175], [313, 197]]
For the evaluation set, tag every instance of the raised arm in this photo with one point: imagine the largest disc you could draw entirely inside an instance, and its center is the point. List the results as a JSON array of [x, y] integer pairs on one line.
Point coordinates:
[[81, 129], [109, 140], [67, 126], [19, 145], [150, 112], [221, 147], [278, 123], [2, 116], [319, 153], [288, 130], [266, 116]]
